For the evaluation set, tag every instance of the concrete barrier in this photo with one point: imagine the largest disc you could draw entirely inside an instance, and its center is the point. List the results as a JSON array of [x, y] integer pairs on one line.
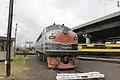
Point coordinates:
[[100, 59]]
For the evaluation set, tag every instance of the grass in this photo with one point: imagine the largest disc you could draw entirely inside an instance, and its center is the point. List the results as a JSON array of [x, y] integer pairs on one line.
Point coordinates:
[[17, 65], [19, 60], [2, 68]]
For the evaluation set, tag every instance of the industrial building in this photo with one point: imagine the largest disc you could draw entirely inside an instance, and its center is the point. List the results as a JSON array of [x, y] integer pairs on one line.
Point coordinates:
[[3, 41]]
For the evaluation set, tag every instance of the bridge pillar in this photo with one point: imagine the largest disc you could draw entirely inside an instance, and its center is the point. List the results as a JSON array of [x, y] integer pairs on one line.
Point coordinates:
[[87, 38]]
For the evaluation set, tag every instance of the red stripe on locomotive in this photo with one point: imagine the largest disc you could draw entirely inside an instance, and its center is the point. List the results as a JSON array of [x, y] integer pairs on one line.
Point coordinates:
[[64, 38]]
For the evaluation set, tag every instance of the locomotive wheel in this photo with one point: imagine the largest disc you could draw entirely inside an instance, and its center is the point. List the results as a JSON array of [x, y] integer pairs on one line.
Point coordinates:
[[43, 56], [36, 53], [40, 56]]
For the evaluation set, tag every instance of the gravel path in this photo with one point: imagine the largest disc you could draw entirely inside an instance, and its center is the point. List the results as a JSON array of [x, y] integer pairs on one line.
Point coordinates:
[[37, 70]]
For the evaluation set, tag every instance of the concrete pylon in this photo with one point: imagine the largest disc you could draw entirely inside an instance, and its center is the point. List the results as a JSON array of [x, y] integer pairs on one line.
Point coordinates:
[[87, 39]]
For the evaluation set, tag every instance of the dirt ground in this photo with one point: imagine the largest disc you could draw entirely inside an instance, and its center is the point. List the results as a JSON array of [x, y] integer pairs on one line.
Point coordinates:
[[36, 70]]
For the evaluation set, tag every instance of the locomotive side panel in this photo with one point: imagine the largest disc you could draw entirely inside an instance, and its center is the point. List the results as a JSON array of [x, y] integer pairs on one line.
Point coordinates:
[[39, 46]]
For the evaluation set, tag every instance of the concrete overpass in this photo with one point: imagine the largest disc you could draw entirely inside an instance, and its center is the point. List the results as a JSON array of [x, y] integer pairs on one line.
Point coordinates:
[[101, 29]]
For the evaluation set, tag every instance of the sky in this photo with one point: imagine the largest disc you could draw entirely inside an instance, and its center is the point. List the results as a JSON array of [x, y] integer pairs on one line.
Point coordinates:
[[34, 15]]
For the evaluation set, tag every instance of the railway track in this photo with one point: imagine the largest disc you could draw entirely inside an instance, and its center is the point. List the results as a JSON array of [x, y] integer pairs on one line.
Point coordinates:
[[68, 71]]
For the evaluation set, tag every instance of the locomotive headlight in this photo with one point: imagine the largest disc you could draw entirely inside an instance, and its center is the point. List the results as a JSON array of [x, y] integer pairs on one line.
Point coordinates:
[[65, 31], [75, 37]]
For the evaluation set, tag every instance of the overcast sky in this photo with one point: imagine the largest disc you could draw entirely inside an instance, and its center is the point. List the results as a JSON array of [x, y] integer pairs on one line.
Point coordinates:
[[33, 15]]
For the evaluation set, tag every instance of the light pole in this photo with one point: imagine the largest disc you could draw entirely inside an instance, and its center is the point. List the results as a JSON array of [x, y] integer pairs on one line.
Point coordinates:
[[105, 4], [8, 54], [118, 4]]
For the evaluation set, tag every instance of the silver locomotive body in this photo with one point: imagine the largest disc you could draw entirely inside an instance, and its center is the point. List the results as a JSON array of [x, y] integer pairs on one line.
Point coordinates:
[[57, 42]]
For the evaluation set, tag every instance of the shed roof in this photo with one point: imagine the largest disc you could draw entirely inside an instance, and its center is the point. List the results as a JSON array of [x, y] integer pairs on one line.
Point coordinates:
[[98, 20], [5, 38]]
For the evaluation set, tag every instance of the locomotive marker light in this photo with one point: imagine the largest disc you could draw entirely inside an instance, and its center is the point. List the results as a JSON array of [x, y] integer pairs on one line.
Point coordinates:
[[52, 37]]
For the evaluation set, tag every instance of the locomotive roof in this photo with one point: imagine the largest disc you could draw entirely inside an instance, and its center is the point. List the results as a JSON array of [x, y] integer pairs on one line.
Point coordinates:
[[53, 27]]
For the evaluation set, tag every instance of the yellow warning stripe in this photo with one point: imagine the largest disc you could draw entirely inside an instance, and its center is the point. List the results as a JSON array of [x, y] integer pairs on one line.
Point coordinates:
[[90, 45], [98, 47], [98, 50], [103, 45], [112, 45]]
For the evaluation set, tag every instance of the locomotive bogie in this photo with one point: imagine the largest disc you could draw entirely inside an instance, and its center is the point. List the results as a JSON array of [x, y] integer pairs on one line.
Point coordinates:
[[59, 63]]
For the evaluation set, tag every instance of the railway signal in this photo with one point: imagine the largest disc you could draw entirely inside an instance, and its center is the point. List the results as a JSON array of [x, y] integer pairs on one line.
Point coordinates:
[[8, 55]]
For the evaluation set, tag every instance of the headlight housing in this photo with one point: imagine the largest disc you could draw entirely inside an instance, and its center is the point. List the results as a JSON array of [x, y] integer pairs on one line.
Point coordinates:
[[65, 30]]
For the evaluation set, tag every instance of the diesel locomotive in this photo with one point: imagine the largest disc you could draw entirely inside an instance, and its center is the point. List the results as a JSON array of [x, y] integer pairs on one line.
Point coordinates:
[[57, 45]]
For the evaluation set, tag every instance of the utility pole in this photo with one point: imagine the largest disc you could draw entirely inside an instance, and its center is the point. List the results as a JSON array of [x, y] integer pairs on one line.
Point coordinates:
[[8, 54], [118, 4], [15, 38]]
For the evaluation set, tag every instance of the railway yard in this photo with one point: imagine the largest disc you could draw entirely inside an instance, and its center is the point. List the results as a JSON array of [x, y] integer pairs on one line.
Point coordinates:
[[37, 70], [90, 50]]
